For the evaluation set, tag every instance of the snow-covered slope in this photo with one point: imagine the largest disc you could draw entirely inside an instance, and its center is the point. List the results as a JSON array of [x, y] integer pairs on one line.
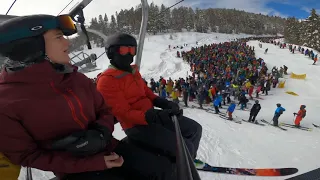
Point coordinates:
[[241, 145]]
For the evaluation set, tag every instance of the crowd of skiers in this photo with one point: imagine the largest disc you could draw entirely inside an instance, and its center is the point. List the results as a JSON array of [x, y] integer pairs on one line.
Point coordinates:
[[292, 48], [220, 72], [181, 88]]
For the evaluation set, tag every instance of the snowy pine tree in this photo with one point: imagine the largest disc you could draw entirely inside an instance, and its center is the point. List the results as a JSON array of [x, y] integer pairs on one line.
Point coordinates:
[[113, 25], [189, 19], [153, 25], [106, 24], [292, 31], [312, 34]]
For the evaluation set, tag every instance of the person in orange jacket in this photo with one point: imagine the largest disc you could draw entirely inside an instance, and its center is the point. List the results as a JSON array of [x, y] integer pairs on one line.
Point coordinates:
[[300, 115], [132, 103], [213, 91]]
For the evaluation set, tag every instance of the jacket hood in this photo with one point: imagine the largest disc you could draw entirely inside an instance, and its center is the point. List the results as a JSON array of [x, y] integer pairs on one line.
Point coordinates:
[[37, 73]]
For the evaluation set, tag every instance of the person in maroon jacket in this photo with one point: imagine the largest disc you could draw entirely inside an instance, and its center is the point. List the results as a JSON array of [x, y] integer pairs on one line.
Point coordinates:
[[52, 117]]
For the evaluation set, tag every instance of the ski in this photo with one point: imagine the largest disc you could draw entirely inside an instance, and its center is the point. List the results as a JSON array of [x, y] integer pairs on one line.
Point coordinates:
[[235, 121], [315, 125], [265, 95], [201, 166], [209, 110], [264, 121], [253, 122], [286, 124], [196, 107], [293, 126], [258, 98], [243, 109]]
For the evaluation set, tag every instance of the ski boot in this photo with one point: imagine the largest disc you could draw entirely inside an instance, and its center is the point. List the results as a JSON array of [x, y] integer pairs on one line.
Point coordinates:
[[198, 163]]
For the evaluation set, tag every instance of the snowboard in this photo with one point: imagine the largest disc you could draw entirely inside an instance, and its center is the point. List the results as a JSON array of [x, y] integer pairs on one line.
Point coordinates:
[[264, 121], [201, 166], [293, 126]]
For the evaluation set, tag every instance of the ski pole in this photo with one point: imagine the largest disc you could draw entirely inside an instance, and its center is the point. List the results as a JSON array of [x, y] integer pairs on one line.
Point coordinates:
[[293, 117], [271, 120]]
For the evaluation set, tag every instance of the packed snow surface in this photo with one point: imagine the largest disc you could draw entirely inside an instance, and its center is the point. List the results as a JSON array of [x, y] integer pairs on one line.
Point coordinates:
[[239, 145]]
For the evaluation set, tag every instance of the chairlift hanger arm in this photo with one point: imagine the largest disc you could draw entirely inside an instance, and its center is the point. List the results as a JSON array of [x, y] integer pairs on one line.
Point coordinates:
[[79, 8], [77, 11]]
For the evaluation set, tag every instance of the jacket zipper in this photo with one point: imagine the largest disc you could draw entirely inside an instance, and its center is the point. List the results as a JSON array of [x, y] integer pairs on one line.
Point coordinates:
[[70, 104], [79, 103]]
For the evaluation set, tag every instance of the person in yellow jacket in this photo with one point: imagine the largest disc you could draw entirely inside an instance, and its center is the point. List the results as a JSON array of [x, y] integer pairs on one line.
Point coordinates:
[[175, 96], [169, 86], [248, 85], [8, 171]]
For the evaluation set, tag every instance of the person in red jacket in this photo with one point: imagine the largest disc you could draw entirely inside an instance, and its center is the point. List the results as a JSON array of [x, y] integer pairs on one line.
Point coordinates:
[[251, 91], [300, 115], [132, 102], [52, 117]]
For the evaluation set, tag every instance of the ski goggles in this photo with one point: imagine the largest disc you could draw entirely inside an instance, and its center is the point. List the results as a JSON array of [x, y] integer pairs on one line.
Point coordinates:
[[30, 26], [65, 24], [124, 50]]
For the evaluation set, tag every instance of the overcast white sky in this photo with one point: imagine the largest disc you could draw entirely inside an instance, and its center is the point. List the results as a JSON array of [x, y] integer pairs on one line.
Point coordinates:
[[96, 7]]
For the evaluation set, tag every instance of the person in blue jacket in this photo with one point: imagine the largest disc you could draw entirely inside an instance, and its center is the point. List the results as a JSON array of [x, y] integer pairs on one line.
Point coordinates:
[[219, 97], [230, 110], [163, 92], [277, 114], [216, 104]]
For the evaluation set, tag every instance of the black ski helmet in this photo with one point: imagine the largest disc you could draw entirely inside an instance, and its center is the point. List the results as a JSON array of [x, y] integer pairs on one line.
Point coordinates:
[[116, 40], [22, 37], [278, 105]]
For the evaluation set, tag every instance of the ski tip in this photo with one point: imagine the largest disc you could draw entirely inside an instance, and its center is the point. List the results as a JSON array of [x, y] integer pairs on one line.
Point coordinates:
[[288, 171]]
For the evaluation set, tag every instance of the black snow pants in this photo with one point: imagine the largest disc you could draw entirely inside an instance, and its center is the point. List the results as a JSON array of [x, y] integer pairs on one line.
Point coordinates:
[[253, 116], [216, 108], [162, 138], [275, 119], [185, 98], [138, 164]]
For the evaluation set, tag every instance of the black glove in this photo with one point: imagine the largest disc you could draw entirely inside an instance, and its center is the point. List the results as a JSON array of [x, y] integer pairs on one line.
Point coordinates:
[[86, 142], [156, 116], [165, 104], [294, 114]]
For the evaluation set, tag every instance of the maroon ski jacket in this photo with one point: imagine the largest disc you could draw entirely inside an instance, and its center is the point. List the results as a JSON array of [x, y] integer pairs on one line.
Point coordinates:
[[39, 105]]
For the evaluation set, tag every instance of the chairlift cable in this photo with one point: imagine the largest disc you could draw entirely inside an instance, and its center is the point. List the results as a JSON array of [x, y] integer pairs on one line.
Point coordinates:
[[11, 6], [168, 8], [65, 7]]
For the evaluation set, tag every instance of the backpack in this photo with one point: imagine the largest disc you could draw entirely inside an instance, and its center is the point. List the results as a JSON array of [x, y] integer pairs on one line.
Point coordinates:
[[304, 114], [8, 171], [280, 111]]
